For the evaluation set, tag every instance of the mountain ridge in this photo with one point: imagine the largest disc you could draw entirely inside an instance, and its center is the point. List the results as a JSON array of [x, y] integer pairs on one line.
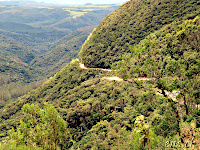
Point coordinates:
[[104, 114], [112, 39]]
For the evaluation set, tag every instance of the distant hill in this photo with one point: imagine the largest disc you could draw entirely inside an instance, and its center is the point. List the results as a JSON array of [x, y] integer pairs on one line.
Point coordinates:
[[16, 27], [36, 39], [62, 52], [131, 23], [83, 18], [15, 70], [21, 3], [13, 49], [28, 36], [40, 26]]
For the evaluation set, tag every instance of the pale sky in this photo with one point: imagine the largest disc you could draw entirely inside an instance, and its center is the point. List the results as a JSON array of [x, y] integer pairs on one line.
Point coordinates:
[[81, 2]]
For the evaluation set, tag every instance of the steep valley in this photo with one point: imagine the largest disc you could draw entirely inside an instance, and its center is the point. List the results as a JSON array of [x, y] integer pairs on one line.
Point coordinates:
[[134, 86]]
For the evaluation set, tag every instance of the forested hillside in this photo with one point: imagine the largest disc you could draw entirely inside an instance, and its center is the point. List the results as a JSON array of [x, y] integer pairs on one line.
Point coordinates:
[[131, 23], [32, 48], [40, 26], [62, 51], [154, 105], [84, 98], [16, 50], [15, 71]]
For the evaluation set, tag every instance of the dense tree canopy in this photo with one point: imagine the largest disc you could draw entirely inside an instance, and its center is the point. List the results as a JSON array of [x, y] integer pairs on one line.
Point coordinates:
[[129, 24], [154, 106], [44, 128]]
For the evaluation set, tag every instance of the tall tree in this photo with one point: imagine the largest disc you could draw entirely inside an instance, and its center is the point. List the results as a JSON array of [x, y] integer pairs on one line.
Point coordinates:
[[44, 128]]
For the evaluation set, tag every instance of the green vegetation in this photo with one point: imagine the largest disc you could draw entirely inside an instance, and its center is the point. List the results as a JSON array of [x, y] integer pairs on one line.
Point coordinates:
[[13, 49], [98, 113], [15, 73], [68, 78], [84, 98], [39, 27], [33, 49], [41, 125], [37, 132], [10, 91], [173, 59], [14, 70], [131, 23], [61, 52]]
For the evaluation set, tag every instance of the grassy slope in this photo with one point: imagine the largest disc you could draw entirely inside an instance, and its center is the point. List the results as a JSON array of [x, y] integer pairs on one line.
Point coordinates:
[[129, 24]]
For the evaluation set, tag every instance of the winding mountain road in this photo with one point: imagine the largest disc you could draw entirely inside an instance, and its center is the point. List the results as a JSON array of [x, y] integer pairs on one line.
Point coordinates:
[[172, 95], [114, 77], [109, 78]]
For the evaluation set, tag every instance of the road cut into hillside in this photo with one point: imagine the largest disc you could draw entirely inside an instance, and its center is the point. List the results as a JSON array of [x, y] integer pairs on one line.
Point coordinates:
[[114, 77], [171, 95], [84, 67]]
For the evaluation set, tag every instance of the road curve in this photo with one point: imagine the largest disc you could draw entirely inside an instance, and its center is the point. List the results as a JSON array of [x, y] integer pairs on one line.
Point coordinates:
[[114, 77]]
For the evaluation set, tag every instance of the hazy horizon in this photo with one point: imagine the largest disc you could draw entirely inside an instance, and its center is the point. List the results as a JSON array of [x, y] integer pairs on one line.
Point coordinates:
[[81, 2], [75, 2]]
